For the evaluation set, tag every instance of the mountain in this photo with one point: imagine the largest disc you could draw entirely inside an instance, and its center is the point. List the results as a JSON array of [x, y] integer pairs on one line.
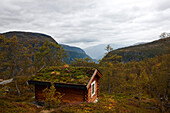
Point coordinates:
[[142, 51], [24, 36], [74, 52], [98, 51]]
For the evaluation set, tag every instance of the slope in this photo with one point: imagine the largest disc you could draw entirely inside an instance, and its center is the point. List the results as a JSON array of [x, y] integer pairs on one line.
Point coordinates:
[[39, 38], [74, 52], [142, 51]]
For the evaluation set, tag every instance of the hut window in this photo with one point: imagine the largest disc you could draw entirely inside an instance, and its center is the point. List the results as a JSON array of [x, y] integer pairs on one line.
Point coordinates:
[[92, 89]]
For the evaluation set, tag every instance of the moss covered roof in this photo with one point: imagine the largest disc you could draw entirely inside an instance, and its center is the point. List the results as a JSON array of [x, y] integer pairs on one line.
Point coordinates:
[[65, 74]]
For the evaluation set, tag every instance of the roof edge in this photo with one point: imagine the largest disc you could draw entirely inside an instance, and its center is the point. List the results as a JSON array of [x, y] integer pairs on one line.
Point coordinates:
[[68, 85], [99, 73], [94, 74]]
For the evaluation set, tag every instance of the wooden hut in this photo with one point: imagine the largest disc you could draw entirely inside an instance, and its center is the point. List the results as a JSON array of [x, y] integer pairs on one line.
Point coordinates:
[[77, 84]]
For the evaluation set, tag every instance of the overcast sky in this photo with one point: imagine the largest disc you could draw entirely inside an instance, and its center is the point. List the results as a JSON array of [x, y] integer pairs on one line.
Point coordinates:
[[85, 23]]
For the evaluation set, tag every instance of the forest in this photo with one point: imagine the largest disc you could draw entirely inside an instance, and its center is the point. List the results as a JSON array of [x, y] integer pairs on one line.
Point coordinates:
[[135, 86]]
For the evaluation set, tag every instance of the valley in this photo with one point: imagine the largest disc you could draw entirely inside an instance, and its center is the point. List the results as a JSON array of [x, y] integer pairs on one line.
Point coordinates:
[[134, 78]]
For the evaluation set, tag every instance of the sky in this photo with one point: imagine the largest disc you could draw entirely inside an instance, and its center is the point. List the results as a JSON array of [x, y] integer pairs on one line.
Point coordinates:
[[85, 23]]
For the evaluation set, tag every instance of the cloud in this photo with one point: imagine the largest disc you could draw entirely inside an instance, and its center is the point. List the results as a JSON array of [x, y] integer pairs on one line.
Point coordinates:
[[86, 23], [71, 40], [162, 5]]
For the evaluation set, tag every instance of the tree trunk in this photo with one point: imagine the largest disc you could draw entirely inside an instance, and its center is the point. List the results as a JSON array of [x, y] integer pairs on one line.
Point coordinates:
[[16, 85], [19, 93], [167, 93], [108, 83]]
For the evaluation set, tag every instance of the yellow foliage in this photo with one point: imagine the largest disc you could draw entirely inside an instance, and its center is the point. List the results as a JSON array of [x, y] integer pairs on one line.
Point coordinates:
[[72, 79], [51, 97], [52, 73], [158, 64], [57, 73], [66, 66]]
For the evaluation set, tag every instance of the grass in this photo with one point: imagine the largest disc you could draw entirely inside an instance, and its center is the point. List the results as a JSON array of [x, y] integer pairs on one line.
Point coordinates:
[[62, 74], [7, 106], [108, 103]]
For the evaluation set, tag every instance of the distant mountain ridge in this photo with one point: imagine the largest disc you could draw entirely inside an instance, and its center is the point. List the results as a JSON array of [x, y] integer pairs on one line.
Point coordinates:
[[72, 48], [74, 52], [142, 51], [97, 52]]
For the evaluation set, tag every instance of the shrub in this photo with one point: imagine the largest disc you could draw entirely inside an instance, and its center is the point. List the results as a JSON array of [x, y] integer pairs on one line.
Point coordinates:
[[51, 97]]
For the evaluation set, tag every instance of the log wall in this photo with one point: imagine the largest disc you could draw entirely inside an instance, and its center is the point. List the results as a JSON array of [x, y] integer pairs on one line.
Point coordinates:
[[95, 96], [70, 95]]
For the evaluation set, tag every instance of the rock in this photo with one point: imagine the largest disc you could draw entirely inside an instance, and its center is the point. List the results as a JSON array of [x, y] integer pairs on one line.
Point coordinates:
[[6, 81], [136, 98], [151, 107]]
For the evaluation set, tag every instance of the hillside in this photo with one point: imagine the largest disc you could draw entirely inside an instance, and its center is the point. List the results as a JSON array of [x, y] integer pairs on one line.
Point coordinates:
[[74, 52], [24, 36], [142, 51], [124, 87]]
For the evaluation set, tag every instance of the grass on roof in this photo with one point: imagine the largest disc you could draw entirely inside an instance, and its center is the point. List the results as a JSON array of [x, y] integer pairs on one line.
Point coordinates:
[[65, 74]]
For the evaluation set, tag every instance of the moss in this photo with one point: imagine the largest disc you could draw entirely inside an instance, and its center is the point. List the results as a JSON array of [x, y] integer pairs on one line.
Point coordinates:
[[62, 74]]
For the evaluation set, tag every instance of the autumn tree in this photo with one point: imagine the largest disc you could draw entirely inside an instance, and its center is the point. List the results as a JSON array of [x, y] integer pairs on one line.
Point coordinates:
[[2, 55], [164, 35], [87, 62], [108, 49], [48, 54], [13, 54], [52, 97], [109, 65]]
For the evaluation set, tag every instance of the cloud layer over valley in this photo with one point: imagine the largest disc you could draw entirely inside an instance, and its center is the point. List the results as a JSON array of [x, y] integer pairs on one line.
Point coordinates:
[[85, 23]]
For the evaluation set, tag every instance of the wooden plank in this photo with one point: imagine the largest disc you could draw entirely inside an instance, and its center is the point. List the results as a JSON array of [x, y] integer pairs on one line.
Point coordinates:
[[86, 96], [94, 74], [70, 95], [92, 99], [98, 73], [39, 92], [97, 87]]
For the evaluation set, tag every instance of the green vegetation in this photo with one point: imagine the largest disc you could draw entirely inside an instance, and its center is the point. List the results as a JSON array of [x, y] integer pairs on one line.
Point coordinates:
[[51, 97], [136, 86], [10, 102], [38, 39], [142, 51], [73, 53], [18, 59], [65, 74], [148, 77], [113, 103], [110, 104], [87, 62], [16, 107]]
